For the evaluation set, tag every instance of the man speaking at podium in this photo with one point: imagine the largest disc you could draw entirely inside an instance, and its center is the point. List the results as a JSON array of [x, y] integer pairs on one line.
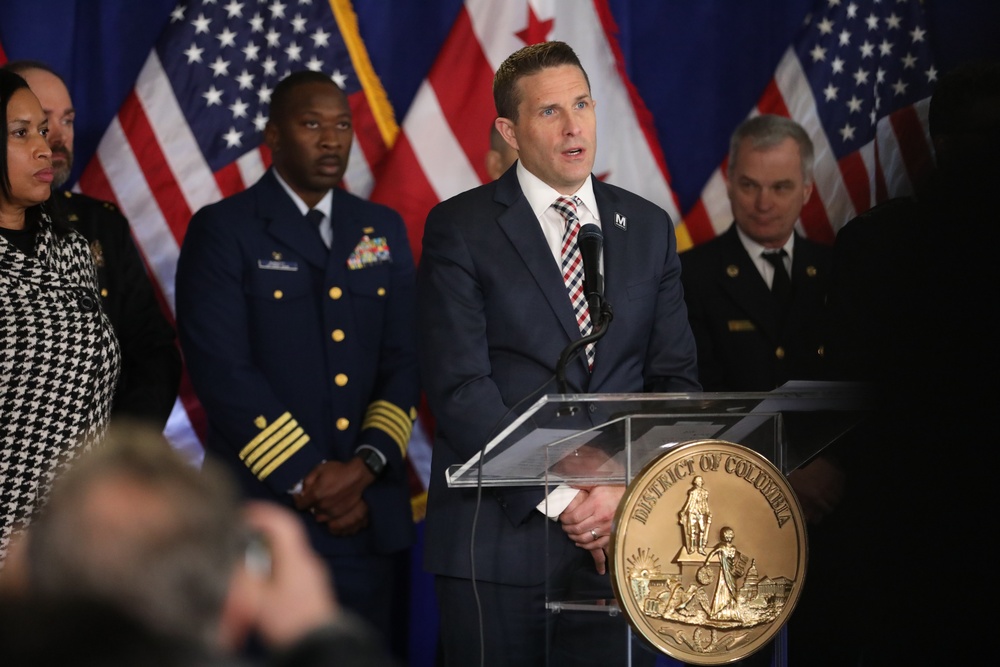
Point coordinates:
[[499, 300]]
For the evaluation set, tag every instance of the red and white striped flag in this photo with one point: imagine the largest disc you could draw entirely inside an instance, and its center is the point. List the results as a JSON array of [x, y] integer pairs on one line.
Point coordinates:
[[858, 77], [190, 132], [445, 137]]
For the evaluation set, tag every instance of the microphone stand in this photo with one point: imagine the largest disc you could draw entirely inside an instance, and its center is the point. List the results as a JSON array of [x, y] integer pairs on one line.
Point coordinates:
[[571, 350]]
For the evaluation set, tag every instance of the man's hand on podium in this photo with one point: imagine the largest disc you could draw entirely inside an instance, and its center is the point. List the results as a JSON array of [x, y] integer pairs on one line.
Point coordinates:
[[587, 520]]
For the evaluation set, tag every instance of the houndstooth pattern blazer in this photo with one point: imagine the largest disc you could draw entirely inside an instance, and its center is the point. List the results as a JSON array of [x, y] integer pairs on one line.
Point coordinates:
[[59, 364]]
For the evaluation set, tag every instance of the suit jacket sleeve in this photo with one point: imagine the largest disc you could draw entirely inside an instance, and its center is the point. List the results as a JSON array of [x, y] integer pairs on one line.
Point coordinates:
[[456, 368], [671, 363], [456, 371], [215, 334]]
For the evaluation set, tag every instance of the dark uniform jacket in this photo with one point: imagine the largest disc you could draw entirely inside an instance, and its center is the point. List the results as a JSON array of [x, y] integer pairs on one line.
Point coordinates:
[[299, 354], [742, 343], [151, 362]]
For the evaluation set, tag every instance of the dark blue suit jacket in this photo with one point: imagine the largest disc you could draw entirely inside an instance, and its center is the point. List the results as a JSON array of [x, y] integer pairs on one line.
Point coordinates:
[[494, 317], [298, 358]]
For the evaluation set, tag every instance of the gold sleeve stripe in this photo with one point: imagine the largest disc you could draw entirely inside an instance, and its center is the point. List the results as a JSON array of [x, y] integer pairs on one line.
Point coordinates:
[[400, 438], [276, 450], [390, 419], [295, 446], [265, 434], [387, 417], [250, 457]]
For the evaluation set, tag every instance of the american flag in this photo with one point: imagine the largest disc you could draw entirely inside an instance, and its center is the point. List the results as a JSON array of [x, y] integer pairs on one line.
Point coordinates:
[[190, 132], [859, 78]]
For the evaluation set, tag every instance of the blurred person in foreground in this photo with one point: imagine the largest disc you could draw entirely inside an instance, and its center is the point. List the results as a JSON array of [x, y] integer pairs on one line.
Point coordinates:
[[135, 526], [151, 363], [60, 360], [914, 282]]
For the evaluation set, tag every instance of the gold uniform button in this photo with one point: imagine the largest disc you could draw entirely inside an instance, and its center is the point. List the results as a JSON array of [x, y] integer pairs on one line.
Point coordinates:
[[343, 423], [337, 335], [104, 291], [340, 379], [336, 293], [278, 294], [780, 352], [381, 291]]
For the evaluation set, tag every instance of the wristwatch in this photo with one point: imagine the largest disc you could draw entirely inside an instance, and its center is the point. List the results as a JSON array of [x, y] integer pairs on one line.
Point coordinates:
[[371, 458]]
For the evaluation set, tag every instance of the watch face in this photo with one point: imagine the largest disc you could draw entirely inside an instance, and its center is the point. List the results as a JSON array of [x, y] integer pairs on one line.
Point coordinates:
[[373, 461]]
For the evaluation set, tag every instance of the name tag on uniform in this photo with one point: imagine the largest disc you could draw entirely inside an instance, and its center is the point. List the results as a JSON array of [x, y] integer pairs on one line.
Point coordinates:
[[277, 265], [741, 325]]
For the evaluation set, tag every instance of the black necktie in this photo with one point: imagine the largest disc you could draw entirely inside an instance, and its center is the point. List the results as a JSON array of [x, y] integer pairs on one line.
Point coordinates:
[[315, 218], [781, 286]]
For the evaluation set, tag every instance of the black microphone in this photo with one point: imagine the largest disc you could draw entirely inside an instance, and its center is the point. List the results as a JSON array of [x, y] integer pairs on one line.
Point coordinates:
[[589, 241]]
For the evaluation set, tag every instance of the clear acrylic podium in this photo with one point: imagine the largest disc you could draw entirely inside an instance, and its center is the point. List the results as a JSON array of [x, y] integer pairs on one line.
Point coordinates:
[[607, 439]]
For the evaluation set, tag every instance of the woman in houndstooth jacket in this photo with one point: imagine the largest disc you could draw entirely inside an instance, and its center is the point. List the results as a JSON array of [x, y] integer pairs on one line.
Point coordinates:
[[59, 360]]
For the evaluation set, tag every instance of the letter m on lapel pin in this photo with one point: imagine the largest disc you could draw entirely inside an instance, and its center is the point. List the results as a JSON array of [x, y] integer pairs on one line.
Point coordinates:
[[620, 221]]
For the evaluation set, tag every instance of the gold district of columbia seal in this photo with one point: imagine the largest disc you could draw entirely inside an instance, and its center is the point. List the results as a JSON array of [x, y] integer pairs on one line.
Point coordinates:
[[708, 553]]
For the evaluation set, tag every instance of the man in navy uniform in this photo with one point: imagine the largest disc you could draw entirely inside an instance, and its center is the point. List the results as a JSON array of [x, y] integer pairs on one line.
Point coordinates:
[[295, 310], [151, 363]]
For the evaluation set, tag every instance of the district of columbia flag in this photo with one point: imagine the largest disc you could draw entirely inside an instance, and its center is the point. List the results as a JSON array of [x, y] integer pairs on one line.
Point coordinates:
[[445, 135]]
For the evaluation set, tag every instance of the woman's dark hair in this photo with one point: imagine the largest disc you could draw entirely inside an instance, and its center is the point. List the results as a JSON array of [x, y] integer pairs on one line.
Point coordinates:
[[10, 83]]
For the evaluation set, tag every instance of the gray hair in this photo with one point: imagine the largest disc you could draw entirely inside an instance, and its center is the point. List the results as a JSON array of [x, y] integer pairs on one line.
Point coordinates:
[[768, 130], [135, 524]]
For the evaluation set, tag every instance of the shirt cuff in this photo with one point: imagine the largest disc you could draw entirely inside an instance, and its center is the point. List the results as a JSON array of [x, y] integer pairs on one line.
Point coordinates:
[[297, 489], [557, 501]]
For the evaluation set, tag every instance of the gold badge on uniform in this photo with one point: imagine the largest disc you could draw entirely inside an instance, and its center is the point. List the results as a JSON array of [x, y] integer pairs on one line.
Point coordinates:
[[740, 325], [97, 252], [708, 552]]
